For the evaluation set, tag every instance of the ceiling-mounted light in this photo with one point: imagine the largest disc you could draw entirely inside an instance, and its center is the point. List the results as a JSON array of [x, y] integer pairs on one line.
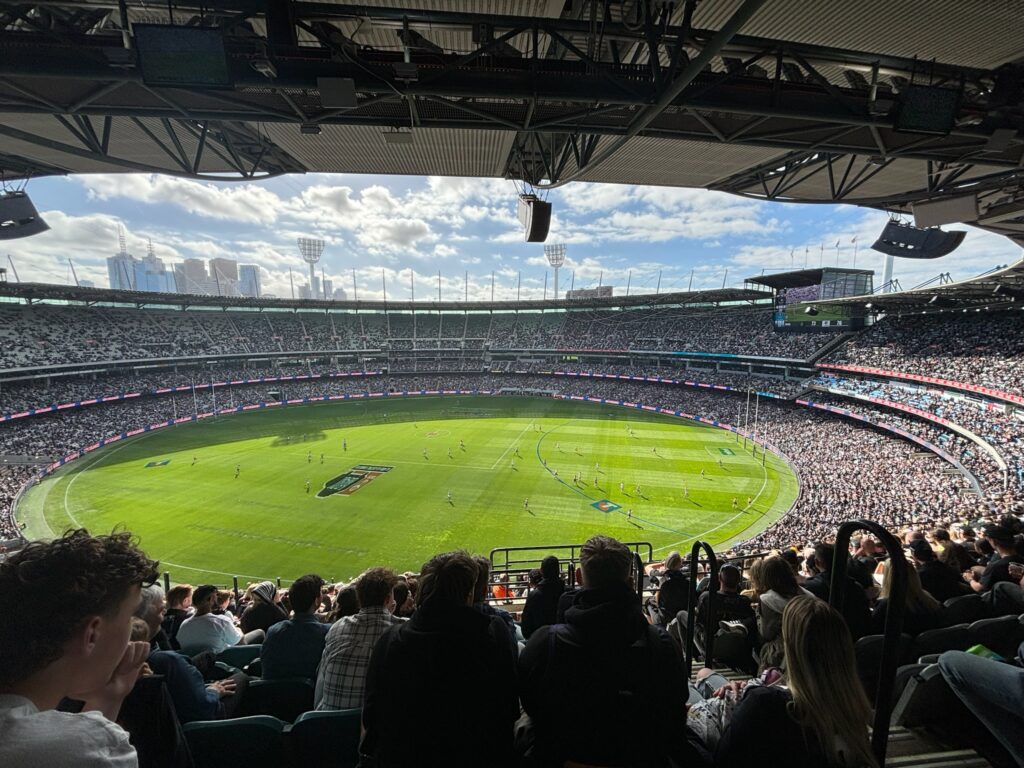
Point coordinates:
[[19, 217]]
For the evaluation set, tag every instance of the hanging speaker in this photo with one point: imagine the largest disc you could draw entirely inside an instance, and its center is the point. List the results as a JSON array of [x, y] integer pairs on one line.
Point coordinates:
[[18, 217], [912, 243], [535, 216]]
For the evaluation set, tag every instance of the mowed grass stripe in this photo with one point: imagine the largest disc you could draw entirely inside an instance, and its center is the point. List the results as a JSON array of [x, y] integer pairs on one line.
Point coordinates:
[[264, 524]]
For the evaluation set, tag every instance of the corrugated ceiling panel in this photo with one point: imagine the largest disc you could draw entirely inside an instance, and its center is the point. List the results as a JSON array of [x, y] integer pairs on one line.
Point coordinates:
[[979, 33], [667, 162], [362, 149]]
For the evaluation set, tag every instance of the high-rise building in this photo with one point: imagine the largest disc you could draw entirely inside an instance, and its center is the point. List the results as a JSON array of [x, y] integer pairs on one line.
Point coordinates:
[[327, 289], [339, 294], [224, 275], [121, 272], [191, 277], [249, 280]]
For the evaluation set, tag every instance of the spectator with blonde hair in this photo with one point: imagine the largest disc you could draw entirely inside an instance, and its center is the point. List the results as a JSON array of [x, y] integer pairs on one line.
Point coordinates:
[[820, 716]]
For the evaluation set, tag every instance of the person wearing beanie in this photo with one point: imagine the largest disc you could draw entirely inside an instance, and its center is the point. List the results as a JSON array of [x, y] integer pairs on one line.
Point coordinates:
[[263, 612]]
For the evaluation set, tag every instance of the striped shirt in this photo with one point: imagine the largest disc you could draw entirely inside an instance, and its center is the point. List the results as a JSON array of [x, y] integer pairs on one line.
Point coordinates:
[[342, 674]]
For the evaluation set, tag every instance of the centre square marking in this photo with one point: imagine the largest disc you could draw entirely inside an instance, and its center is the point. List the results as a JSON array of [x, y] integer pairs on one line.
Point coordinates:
[[606, 506], [353, 480]]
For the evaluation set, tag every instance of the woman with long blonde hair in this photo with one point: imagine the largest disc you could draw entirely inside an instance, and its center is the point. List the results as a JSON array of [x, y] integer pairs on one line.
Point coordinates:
[[820, 716], [922, 612]]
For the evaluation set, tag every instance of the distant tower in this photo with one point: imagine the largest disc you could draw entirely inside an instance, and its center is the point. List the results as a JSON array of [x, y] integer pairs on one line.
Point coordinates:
[[311, 250], [122, 241], [556, 258]]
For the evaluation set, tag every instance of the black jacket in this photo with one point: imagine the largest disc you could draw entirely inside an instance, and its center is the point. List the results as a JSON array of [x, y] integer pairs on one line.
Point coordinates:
[[541, 606], [855, 603], [941, 581], [605, 688], [261, 615], [441, 690], [672, 595]]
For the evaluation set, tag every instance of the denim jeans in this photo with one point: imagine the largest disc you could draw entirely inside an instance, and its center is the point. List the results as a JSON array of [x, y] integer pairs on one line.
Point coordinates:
[[993, 691]]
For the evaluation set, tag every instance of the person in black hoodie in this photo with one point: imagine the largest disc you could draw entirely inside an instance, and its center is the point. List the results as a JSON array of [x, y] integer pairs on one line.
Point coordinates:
[[855, 603], [621, 676], [452, 668], [542, 603]]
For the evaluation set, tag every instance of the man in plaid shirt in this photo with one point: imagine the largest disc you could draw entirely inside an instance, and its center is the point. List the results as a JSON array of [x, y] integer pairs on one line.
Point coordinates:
[[341, 678]]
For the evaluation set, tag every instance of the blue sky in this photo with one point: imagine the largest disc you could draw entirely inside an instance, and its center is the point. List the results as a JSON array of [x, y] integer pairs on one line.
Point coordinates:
[[394, 224]]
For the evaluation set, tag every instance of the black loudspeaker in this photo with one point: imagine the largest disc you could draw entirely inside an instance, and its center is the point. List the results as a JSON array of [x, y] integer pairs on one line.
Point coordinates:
[[18, 217], [912, 243], [535, 216]]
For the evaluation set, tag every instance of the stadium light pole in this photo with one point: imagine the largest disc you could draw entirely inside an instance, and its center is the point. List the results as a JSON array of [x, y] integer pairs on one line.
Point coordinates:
[[311, 250], [556, 258]]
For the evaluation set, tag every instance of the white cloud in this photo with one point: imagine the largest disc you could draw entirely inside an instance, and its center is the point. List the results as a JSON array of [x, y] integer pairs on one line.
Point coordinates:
[[248, 203]]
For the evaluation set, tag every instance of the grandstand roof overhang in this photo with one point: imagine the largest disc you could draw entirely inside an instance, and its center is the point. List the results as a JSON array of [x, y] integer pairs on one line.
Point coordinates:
[[44, 293], [999, 289], [795, 103], [803, 277]]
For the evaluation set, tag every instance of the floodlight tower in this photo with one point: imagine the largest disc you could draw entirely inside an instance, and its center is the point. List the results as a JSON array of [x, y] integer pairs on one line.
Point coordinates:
[[311, 250], [556, 258]]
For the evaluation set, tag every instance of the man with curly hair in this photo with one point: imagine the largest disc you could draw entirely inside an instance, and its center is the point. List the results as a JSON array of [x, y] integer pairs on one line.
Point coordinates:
[[67, 609]]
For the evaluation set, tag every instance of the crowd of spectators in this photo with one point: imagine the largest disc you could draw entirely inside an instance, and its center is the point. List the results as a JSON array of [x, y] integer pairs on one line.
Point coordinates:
[[999, 426], [41, 335], [583, 675], [980, 348]]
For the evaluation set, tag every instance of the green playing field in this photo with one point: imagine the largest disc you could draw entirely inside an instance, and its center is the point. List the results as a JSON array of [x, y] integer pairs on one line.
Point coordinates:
[[380, 473]]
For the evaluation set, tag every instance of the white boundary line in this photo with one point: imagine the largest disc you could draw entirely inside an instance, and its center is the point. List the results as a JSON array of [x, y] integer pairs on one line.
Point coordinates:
[[511, 445], [764, 484]]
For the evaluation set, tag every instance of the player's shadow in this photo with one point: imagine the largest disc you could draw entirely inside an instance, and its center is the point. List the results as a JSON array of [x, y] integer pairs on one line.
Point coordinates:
[[696, 503], [530, 511], [635, 525]]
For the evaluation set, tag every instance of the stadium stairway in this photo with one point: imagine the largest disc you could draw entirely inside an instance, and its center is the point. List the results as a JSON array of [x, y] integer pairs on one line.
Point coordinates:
[[822, 352], [908, 748]]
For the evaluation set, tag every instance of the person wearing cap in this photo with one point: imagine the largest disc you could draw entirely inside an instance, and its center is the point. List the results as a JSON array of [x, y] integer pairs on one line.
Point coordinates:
[[263, 612], [938, 579], [209, 631], [998, 570]]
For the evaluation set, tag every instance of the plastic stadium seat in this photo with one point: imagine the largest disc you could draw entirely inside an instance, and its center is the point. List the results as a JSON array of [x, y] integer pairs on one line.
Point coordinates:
[[286, 699], [327, 738], [868, 653], [253, 742], [938, 640], [1001, 635], [964, 610], [238, 656]]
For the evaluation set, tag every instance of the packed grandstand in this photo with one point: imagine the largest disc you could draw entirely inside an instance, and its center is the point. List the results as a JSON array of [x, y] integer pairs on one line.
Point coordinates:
[[913, 424]]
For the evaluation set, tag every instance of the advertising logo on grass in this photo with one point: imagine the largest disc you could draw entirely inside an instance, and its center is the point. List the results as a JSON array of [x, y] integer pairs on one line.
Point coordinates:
[[605, 506]]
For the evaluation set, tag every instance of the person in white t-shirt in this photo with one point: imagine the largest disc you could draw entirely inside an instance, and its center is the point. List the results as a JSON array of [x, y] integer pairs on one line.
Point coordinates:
[[208, 631], [67, 608]]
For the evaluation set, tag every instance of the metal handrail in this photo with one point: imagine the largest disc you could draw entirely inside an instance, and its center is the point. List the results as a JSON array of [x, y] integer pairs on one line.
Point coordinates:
[[893, 619], [691, 604]]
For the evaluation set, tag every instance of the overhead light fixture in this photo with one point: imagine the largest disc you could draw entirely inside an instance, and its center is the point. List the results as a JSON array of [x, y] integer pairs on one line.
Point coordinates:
[[812, 311], [876, 160], [19, 217], [414, 41], [264, 66], [310, 129], [941, 301], [910, 242]]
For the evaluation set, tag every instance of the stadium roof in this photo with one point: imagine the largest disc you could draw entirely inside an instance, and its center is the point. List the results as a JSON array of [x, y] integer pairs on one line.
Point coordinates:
[[1000, 288], [50, 294], [803, 277], [769, 100]]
